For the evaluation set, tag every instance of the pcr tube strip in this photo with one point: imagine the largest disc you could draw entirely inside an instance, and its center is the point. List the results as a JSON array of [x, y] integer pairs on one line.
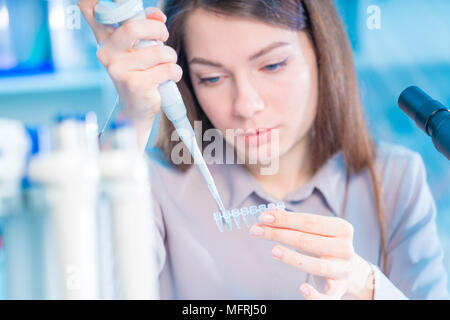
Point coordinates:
[[235, 214]]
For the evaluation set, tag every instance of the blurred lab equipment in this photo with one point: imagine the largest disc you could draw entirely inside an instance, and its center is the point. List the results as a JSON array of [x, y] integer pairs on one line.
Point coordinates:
[[24, 45], [430, 116], [126, 185], [72, 44], [70, 176], [50, 205]]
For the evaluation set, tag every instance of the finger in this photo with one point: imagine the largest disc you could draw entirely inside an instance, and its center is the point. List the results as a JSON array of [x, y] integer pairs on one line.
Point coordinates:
[[155, 14], [142, 81], [307, 222], [310, 293], [101, 32], [127, 35], [333, 269], [307, 242], [142, 59], [336, 288]]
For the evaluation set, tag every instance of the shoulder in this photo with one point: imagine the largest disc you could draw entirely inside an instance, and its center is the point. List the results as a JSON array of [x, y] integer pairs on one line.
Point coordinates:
[[395, 157], [403, 179], [401, 170]]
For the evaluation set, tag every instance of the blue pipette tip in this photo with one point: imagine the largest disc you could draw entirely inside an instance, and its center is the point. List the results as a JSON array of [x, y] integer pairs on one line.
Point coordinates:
[[219, 221], [227, 217], [245, 217]]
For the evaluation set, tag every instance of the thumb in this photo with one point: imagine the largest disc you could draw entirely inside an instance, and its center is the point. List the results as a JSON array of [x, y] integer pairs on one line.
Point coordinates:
[[101, 32], [155, 14]]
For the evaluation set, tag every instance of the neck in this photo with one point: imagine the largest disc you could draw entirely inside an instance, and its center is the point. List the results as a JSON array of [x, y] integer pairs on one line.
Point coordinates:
[[294, 170]]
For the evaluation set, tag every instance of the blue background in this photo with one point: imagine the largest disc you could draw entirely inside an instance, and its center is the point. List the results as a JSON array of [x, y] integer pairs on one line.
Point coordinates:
[[55, 70]]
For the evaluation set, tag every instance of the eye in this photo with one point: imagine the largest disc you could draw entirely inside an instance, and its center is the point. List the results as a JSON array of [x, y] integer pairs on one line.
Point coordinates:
[[276, 66], [209, 80]]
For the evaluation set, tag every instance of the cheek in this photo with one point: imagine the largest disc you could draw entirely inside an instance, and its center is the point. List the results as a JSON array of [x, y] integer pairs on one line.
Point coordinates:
[[217, 108], [295, 100]]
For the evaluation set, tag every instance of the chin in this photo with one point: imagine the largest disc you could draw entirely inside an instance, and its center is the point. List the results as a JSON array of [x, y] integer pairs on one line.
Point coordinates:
[[262, 154]]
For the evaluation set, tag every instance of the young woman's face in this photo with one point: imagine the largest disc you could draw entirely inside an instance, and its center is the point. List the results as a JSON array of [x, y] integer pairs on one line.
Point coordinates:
[[253, 76]]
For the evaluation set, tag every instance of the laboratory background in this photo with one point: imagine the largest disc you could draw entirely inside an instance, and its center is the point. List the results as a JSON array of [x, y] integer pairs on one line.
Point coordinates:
[[48, 66]]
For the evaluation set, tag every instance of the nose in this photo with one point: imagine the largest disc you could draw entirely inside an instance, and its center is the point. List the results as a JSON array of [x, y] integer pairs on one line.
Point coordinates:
[[247, 101]]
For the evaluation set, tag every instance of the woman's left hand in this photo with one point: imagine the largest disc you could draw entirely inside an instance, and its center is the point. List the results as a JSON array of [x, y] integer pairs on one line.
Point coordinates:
[[328, 242]]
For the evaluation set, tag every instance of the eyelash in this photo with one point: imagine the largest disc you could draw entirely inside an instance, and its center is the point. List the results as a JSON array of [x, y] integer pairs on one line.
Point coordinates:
[[279, 65]]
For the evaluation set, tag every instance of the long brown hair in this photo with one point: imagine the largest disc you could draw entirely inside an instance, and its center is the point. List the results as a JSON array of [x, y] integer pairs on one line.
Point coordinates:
[[339, 124]]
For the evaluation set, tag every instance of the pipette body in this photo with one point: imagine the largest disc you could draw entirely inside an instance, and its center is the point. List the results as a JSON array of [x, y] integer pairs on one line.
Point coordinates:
[[123, 11]]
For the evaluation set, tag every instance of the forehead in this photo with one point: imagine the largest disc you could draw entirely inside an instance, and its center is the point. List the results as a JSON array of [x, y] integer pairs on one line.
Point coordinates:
[[209, 34]]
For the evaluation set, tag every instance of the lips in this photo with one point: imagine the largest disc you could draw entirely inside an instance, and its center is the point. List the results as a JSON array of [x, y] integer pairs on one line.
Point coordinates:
[[252, 132], [257, 137]]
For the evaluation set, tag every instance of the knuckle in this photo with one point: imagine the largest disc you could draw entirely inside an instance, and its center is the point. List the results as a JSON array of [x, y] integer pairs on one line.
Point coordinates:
[[133, 84], [346, 227], [165, 54], [271, 234], [157, 54], [324, 268], [130, 29], [102, 56], [347, 251], [309, 222], [152, 96], [349, 230], [172, 53], [347, 269], [176, 71], [281, 217], [164, 32], [301, 242], [298, 261], [83, 6], [115, 71], [158, 30]]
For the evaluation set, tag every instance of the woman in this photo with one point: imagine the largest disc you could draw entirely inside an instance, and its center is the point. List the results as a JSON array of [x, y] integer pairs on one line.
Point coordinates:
[[360, 219]]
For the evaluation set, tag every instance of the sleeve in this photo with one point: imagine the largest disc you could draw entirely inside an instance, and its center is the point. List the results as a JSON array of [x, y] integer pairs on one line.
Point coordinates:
[[415, 267]]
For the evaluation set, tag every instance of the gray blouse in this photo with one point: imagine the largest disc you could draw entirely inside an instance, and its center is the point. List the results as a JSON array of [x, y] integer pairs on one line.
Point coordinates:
[[197, 261]]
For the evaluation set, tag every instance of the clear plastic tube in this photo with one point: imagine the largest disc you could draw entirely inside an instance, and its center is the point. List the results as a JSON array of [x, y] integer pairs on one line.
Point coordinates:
[[235, 215]]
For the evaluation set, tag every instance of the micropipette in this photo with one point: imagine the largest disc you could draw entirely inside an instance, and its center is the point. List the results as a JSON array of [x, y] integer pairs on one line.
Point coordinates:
[[122, 11]]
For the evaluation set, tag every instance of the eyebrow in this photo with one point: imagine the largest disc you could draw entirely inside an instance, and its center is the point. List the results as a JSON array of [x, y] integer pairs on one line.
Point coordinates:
[[260, 53]]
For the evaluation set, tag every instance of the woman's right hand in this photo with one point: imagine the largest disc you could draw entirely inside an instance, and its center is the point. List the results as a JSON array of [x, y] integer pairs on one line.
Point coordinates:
[[136, 74]]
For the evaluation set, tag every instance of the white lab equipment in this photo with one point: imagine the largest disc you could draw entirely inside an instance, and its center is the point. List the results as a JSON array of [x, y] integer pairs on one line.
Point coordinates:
[[14, 145], [28, 239], [70, 176], [125, 181], [122, 11], [61, 239]]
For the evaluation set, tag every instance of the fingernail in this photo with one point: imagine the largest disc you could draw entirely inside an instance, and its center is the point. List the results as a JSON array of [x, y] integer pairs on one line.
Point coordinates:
[[267, 218], [305, 290], [277, 252], [256, 231], [150, 10]]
